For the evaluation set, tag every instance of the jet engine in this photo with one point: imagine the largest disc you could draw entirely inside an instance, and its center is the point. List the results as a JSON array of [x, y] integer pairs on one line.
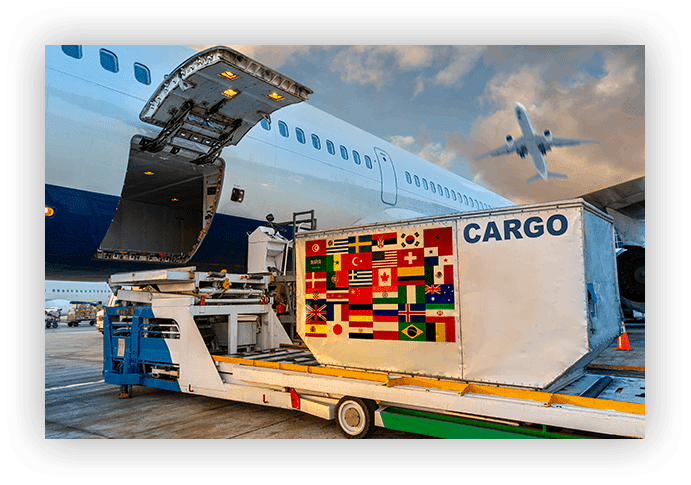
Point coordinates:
[[509, 141], [522, 151], [631, 269], [548, 135]]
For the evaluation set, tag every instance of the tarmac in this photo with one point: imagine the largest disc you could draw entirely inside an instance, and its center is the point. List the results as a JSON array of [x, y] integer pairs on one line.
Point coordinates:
[[79, 404]]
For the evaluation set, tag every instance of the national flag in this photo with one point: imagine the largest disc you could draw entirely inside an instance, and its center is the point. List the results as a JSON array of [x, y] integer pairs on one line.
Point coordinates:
[[441, 329], [385, 295], [360, 295], [385, 259], [360, 278], [337, 296], [315, 263], [337, 317], [412, 313], [432, 289], [337, 246], [444, 299], [385, 277], [385, 312], [385, 330], [336, 279], [438, 237], [315, 280], [409, 239], [411, 276], [409, 258], [360, 244], [315, 248], [412, 331], [360, 332], [382, 242], [443, 275], [315, 320], [316, 294], [411, 294], [356, 261]]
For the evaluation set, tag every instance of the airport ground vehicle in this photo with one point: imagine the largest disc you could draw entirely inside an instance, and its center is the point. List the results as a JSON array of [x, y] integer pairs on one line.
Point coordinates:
[[481, 357]]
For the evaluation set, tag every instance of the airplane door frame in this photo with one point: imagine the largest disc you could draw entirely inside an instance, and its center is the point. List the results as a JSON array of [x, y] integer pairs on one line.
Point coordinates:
[[387, 171]]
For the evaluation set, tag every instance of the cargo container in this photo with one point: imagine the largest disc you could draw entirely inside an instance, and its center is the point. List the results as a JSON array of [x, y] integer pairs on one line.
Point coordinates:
[[523, 296]]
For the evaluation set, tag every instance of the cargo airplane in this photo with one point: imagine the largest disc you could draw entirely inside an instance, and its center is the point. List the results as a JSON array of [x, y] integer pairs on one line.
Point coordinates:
[[140, 176], [146, 177], [534, 144]]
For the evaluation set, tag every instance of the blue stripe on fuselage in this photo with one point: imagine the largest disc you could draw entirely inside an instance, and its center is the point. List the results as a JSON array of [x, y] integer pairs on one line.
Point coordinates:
[[81, 220]]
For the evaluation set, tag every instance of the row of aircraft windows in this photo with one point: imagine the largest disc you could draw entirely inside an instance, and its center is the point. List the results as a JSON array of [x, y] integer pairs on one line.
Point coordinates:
[[443, 191], [109, 62], [316, 143]]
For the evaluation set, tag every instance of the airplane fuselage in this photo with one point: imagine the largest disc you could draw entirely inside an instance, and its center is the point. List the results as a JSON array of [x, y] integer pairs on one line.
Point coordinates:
[[531, 139], [105, 196]]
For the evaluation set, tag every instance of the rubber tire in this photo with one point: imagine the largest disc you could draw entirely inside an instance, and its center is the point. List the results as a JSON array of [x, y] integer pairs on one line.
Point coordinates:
[[55, 324], [364, 409]]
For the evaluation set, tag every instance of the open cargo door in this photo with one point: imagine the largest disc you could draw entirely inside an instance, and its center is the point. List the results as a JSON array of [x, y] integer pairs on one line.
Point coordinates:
[[214, 98]]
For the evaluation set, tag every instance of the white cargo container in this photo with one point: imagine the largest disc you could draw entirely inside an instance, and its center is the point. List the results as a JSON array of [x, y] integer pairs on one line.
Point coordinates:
[[522, 296]]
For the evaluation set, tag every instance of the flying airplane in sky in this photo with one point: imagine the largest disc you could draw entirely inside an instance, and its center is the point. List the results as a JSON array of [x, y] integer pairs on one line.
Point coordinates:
[[140, 176], [534, 144]]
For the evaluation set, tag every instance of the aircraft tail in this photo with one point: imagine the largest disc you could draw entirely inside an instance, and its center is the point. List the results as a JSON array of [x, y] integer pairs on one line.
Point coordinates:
[[553, 175], [556, 175]]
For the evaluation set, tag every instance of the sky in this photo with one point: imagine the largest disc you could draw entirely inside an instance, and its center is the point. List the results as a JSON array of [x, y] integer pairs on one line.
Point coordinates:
[[449, 104]]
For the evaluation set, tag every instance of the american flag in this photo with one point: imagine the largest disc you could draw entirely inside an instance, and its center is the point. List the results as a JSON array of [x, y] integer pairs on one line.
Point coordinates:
[[384, 259]]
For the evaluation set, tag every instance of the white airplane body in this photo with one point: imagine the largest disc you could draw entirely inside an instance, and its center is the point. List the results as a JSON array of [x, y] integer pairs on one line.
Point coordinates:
[[534, 144], [61, 294], [116, 201]]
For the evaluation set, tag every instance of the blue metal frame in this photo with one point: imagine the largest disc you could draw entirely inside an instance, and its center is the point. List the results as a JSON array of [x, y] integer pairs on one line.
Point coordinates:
[[128, 369]]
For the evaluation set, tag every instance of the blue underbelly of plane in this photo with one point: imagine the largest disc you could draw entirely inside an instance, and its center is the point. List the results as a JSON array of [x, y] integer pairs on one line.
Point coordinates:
[[81, 219]]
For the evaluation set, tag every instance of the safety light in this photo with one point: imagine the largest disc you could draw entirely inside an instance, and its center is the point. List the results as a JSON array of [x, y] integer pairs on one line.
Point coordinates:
[[148, 173], [228, 75], [175, 200], [275, 96], [49, 211], [230, 93]]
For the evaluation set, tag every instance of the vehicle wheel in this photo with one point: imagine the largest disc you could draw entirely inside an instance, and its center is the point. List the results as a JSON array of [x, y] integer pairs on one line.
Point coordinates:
[[48, 325], [55, 324], [92, 323], [69, 324], [355, 417]]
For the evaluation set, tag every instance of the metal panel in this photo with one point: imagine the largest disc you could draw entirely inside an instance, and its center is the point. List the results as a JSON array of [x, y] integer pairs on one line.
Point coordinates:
[[522, 296]]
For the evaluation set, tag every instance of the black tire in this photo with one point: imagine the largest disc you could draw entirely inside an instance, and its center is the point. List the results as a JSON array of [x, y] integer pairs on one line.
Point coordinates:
[[355, 417], [69, 324], [55, 324]]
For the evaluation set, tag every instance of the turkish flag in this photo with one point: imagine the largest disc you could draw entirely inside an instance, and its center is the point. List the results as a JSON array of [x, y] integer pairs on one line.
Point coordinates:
[[355, 261], [315, 248]]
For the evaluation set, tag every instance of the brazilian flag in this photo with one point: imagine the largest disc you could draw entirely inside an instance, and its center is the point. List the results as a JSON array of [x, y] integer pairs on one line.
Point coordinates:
[[412, 331]]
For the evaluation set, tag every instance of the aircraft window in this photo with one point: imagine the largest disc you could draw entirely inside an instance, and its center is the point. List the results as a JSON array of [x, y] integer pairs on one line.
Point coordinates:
[[265, 124], [446, 193], [283, 129], [356, 157], [434, 189], [424, 183], [315, 142], [330, 147], [465, 199], [453, 195], [344, 153], [72, 51], [408, 178], [142, 74], [300, 135], [109, 61], [368, 162], [441, 193], [471, 203], [417, 180]]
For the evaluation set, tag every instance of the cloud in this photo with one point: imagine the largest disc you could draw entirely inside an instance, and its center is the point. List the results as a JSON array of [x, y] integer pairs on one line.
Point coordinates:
[[609, 108], [462, 60]]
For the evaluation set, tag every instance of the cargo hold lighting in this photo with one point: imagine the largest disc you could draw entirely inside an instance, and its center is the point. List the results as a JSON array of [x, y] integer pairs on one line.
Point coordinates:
[[230, 93], [228, 75], [275, 96]]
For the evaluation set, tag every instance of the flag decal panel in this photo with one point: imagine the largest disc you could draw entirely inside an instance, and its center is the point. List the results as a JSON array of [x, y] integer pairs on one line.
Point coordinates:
[[397, 286]]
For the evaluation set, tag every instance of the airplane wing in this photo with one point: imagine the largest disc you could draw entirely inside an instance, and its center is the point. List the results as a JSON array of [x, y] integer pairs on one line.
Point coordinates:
[[502, 150], [567, 142]]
